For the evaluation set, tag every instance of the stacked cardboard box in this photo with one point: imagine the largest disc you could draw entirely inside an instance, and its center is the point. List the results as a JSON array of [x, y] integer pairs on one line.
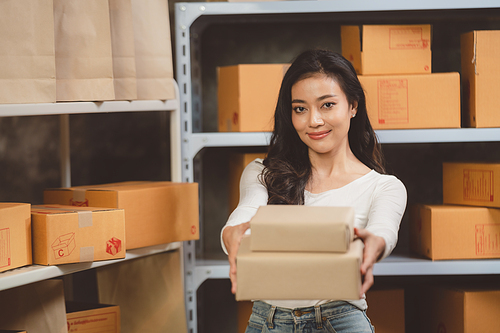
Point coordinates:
[[155, 212], [92, 318], [394, 67], [386, 310], [480, 71], [467, 226], [302, 242], [15, 235]]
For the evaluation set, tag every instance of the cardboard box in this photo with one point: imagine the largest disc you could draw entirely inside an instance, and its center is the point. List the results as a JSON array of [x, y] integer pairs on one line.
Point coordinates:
[[460, 310], [92, 318], [247, 96], [388, 49], [302, 228], [442, 232], [11, 331], [386, 310], [155, 212], [287, 275], [471, 184], [35, 307], [480, 72], [237, 163], [15, 235], [412, 101], [67, 234], [149, 291], [244, 309]]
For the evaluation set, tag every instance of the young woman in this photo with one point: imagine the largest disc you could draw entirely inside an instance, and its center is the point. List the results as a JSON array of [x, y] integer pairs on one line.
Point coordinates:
[[323, 152]]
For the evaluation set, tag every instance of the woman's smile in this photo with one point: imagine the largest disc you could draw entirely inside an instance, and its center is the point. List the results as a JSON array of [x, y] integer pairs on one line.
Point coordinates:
[[318, 135]]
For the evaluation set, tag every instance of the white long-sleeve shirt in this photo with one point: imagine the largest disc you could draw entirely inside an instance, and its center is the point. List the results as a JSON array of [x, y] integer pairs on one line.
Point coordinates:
[[379, 202]]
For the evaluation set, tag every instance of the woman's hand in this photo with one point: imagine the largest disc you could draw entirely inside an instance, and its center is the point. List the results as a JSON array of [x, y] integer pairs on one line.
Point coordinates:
[[374, 248], [232, 237]]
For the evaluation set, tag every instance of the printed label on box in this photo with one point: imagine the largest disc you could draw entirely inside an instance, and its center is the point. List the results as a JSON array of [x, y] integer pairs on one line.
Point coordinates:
[[105, 322], [487, 239], [113, 246], [407, 39], [84, 203], [64, 245], [478, 185], [5, 259], [393, 101]]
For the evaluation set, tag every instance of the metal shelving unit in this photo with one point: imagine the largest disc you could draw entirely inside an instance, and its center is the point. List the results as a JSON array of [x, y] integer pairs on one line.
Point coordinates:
[[192, 18], [33, 273]]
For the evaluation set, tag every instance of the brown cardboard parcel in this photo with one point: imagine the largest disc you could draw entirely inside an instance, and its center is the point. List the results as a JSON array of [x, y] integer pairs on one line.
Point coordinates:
[[247, 96], [412, 101], [155, 212], [286, 228], [15, 235], [442, 232], [237, 163], [386, 310], [35, 307], [471, 184], [388, 49], [480, 72], [287, 275], [66, 234], [459, 310], [92, 318]]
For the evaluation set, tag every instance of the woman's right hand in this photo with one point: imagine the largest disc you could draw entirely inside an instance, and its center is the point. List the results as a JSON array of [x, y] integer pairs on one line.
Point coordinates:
[[232, 237]]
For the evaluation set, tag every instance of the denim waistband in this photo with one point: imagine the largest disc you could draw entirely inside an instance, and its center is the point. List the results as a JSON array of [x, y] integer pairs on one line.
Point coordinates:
[[317, 313]]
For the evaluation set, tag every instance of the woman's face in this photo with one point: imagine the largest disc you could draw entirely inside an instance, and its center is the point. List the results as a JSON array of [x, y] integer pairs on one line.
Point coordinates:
[[321, 113]]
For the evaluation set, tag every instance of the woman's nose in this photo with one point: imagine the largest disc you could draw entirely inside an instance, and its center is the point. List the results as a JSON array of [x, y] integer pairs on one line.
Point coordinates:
[[316, 118]]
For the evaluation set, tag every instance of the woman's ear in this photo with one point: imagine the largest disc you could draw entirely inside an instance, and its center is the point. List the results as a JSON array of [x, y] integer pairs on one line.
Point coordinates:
[[354, 109]]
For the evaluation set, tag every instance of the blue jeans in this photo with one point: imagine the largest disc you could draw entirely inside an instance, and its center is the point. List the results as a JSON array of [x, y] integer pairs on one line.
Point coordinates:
[[332, 317]]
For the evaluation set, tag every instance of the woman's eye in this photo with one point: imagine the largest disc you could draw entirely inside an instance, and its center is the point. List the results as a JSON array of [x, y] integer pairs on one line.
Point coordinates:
[[329, 105], [299, 109]]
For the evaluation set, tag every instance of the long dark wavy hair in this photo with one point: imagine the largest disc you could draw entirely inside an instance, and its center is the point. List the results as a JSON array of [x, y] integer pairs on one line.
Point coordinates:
[[287, 167]]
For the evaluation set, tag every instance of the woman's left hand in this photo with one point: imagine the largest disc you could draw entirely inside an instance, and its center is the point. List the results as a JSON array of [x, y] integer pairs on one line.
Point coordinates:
[[374, 248]]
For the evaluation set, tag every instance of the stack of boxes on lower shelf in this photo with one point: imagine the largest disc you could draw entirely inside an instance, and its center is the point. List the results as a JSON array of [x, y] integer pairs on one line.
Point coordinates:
[[92, 223]]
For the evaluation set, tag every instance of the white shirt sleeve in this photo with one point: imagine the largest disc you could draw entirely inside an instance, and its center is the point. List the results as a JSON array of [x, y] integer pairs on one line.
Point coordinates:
[[253, 194], [386, 211]]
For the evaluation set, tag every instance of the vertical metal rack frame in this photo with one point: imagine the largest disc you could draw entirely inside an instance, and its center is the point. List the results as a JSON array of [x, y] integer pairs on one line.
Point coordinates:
[[193, 139]]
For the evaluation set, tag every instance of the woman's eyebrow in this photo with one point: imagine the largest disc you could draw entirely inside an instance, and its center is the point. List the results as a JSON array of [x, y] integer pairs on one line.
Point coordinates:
[[298, 101], [325, 97]]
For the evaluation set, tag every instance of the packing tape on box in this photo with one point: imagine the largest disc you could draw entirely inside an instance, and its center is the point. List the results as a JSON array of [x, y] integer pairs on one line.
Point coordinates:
[[79, 194], [84, 216], [86, 253]]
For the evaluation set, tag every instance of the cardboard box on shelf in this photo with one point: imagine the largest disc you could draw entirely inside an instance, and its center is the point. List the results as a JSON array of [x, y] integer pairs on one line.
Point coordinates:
[[92, 318], [302, 228], [442, 232], [15, 235], [35, 307], [67, 234], [386, 310], [459, 310], [237, 163], [244, 309], [412, 101], [471, 184], [12, 331], [388, 49], [480, 51], [288, 274], [247, 96], [155, 212]]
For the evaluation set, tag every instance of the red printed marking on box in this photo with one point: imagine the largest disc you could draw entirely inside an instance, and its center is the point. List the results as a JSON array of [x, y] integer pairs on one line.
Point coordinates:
[[107, 322], [478, 185], [393, 101], [5, 259], [407, 39], [487, 239]]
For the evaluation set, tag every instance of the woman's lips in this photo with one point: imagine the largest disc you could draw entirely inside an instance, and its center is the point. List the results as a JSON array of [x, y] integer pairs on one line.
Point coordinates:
[[318, 135]]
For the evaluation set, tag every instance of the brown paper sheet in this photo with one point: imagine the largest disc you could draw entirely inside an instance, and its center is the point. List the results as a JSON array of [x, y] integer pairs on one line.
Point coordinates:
[[149, 291], [153, 49], [122, 43], [38, 307], [84, 65], [27, 56]]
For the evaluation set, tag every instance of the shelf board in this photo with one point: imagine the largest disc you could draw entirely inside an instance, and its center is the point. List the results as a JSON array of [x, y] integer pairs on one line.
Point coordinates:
[[198, 141], [44, 109], [394, 265], [34, 273]]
